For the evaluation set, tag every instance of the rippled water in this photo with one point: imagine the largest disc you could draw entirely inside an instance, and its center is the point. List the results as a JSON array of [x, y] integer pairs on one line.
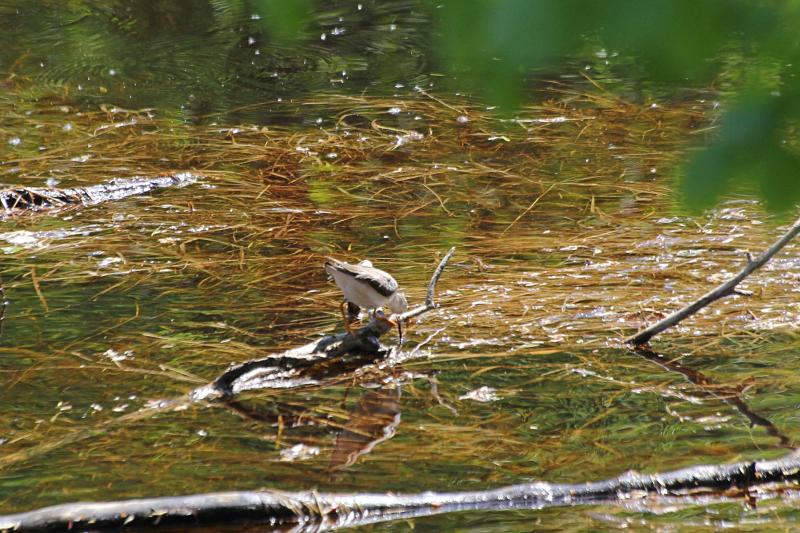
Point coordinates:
[[568, 238], [206, 59]]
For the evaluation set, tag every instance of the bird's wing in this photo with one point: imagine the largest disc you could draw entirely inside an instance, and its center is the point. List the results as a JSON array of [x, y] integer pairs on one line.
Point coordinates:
[[383, 283], [379, 280]]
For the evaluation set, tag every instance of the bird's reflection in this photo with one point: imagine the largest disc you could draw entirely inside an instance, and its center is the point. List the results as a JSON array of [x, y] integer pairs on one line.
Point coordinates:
[[373, 419]]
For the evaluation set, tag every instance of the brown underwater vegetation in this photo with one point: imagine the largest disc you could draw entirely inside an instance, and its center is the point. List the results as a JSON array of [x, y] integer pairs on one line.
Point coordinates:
[[569, 237]]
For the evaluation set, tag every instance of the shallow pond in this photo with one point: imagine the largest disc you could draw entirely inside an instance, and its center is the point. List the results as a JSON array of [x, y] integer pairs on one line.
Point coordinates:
[[568, 238]]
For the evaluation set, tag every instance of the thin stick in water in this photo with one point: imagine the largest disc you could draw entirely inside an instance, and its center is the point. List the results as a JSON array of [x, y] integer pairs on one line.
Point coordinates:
[[725, 289]]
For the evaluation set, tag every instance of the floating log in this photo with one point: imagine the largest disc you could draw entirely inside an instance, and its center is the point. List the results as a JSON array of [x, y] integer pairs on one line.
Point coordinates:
[[21, 199], [312, 511]]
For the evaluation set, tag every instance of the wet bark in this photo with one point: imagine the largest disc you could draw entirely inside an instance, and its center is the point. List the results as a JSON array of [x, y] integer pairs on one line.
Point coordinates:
[[22, 199], [312, 511], [333, 356]]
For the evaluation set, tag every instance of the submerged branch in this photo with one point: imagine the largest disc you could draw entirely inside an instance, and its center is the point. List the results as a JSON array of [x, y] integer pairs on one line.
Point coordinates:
[[312, 511], [331, 356], [23, 199], [721, 291]]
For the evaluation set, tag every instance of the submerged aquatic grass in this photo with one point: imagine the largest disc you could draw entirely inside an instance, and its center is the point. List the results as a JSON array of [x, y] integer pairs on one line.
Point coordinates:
[[568, 239]]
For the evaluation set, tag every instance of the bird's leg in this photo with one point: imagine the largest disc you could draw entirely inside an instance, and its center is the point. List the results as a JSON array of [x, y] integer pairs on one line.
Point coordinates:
[[353, 314], [392, 322], [343, 307]]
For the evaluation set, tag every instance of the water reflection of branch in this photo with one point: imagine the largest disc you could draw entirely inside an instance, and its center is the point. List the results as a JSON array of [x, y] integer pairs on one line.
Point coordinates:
[[729, 395], [434, 385], [373, 420], [327, 360], [283, 415]]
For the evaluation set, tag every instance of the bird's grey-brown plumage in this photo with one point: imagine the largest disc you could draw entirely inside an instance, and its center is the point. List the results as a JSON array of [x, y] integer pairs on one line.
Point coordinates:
[[379, 280], [367, 286]]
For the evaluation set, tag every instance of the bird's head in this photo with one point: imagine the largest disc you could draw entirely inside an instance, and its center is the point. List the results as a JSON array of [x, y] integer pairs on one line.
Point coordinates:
[[398, 303]]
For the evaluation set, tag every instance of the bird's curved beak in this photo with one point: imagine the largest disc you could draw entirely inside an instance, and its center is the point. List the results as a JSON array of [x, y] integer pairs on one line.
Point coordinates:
[[399, 324]]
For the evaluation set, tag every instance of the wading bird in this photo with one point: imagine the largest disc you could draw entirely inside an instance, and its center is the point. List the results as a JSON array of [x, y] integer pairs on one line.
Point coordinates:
[[365, 286]]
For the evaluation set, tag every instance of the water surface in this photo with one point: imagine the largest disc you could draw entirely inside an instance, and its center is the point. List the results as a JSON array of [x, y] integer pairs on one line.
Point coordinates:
[[568, 238]]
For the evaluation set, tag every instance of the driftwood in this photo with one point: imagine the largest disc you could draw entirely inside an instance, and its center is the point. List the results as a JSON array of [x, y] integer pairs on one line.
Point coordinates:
[[331, 355], [312, 511], [725, 289], [22, 199]]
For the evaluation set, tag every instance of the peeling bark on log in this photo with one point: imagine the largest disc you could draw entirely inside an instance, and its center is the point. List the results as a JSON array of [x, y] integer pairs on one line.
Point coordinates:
[[312, 511], [22, 199]]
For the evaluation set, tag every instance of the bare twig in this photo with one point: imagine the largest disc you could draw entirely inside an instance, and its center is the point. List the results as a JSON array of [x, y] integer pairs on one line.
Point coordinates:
[[362, 345], [429, 303], [38, 289], [296, 367], [536, 201], [445, 104], [721, 291]]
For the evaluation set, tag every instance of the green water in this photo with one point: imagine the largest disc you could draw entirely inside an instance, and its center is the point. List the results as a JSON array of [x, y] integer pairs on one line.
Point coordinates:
[[120, 304]]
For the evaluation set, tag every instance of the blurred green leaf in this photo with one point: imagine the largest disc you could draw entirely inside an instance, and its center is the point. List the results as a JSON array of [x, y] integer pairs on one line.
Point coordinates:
[[284, 19], [745, 151], [494, 48], [779, 179], [494, 45], [707, 177]]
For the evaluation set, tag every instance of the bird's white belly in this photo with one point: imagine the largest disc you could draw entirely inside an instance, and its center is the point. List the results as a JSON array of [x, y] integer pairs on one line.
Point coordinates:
[[358, 292]]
